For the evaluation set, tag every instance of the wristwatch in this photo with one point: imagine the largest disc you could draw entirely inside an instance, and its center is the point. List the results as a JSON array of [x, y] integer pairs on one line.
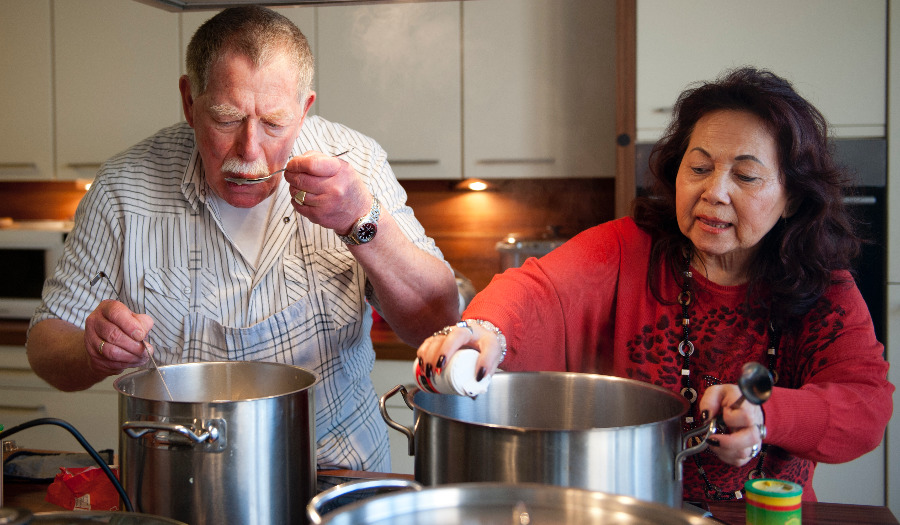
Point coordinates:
[[365, 228]]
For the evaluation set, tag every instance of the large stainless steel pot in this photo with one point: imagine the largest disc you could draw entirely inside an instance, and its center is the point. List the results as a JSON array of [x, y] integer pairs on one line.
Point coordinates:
[[236, 445], [496, 503], [595, 432]]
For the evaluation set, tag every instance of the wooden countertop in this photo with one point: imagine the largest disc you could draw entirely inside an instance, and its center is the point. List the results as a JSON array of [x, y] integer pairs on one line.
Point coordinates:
[[387, 344], [31, 496], [12, 331], [733, 513]]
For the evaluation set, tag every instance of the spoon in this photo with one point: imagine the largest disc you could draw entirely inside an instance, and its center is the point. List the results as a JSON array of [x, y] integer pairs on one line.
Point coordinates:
[[755, 383], [240, 181]]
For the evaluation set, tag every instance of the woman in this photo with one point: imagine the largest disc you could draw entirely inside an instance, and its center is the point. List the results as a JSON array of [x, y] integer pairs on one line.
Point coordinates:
[[740, 254]]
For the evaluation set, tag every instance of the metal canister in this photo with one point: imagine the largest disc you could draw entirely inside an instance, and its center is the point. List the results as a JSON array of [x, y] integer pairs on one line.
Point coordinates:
[[773, 502], [515, 248]]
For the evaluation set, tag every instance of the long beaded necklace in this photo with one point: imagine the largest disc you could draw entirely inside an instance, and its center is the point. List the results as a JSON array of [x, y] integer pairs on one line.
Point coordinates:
[[686, 350]]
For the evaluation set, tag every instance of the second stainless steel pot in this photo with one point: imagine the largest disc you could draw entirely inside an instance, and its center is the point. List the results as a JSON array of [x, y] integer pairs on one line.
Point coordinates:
[[493, 504], [588, 431], [236, 445]]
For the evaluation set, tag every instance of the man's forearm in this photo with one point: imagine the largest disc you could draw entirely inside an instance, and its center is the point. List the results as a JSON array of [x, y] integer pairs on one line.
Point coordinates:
[[417, 291], [57, 355]]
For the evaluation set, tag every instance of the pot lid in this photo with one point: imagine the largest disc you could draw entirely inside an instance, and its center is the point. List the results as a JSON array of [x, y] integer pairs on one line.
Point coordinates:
[[81, 516], [13, 515]]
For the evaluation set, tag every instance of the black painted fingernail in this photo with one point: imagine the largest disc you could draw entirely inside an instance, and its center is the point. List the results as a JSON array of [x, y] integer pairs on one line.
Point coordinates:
[[704, 415], [440, 363], [481, 372], [713, 442], [421, 364], [429, 372]]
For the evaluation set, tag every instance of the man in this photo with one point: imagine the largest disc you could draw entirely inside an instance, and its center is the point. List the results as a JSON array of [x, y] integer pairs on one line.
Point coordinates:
[[205, 266]]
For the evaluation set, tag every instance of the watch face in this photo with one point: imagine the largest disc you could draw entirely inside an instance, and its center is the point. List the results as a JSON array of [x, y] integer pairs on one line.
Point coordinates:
[[366, 232]]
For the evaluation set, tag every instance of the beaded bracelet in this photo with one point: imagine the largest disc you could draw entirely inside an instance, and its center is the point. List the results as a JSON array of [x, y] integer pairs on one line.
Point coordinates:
[[487, 325]]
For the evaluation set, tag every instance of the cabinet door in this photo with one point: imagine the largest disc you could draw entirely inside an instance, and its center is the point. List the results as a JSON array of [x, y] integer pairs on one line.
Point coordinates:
[[392, 72], [539, 88], [834, 51], [116, 79], [26, 94], [25, 397]]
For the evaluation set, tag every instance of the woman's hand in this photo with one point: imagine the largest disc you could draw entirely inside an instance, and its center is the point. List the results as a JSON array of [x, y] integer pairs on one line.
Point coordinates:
[[435, 352], [746, 429]]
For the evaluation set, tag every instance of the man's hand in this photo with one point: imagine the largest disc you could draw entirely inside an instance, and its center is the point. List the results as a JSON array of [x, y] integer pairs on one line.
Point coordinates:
[[113, 338], [333, 195]]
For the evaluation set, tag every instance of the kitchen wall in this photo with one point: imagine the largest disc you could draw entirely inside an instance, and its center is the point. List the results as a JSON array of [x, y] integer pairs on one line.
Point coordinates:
[[466, 225]]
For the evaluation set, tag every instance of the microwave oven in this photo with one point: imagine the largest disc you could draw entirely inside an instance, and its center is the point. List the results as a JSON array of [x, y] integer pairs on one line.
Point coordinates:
[[28, 255]]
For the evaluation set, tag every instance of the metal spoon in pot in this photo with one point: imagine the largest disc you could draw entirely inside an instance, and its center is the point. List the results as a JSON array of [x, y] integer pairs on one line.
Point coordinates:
[[240, 181]]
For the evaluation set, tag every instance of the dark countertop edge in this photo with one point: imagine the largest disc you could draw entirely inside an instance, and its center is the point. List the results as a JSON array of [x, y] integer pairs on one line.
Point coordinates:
[[386, 343]]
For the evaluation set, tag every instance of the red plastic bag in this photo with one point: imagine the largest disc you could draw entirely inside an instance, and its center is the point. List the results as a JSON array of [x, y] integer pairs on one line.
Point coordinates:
[[84, 488]]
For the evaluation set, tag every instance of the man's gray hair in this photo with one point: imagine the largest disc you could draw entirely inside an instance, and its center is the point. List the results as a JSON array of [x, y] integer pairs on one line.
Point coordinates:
[[256, 32]]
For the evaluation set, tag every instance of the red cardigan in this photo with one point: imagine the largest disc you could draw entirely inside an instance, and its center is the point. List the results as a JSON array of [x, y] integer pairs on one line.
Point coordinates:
[[586, 307]]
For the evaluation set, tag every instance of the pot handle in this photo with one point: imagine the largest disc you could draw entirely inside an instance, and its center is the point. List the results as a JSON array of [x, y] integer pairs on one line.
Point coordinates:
[[136, 429], [382, 404], [702, 433], [321, 500]]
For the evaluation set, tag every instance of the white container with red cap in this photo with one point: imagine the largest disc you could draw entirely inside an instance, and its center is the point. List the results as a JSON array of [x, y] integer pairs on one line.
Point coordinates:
[[457, 377]]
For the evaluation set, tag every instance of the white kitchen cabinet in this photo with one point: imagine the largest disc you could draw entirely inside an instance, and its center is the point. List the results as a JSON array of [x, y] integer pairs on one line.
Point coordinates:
[[832, 50], [539, 88], [393, 73], [26, 94], [25, 397], [386, 375], [116, 79]]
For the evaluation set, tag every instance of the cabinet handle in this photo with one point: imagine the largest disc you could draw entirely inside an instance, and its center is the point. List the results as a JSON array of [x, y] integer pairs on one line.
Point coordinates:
[[860, 200], [24, 408], [84, 165], [31, 166], [517, 161], [666, 110], [413, 162]]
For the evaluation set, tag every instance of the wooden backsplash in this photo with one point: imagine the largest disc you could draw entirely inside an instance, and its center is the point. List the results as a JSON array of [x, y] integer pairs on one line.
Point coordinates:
[[466, 225]]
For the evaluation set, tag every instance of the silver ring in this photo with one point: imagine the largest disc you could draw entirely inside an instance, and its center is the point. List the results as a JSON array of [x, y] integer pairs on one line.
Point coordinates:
[[100, 349], [302, 195], [463, 324], [762, 431], [754, 450]]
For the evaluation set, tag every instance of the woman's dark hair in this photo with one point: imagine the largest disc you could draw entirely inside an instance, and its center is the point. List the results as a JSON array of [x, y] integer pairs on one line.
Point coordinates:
[[797, 257]]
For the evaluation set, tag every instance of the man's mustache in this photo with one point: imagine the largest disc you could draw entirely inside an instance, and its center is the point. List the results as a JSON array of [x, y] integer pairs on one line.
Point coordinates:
[[257, 168]]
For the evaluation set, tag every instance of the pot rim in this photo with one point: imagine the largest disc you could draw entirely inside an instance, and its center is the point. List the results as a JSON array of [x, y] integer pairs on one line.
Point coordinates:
[[119, 381], [436, 498], [410, 394]]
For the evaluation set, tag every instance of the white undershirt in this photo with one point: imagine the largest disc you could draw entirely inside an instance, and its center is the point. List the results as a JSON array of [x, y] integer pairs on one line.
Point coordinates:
[[246, 226]]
